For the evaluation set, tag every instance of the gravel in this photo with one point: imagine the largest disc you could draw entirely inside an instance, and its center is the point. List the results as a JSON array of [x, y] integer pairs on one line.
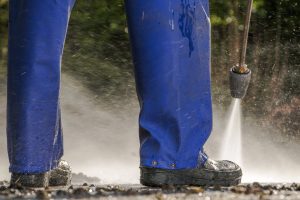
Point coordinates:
[[87, 191]]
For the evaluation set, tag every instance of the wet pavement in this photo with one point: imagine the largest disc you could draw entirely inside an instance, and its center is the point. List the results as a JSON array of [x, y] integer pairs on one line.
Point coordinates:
[[86, 191]]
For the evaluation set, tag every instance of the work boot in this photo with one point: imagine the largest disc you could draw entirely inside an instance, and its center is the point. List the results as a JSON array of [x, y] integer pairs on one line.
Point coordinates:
[[211, 173], [60, 176]]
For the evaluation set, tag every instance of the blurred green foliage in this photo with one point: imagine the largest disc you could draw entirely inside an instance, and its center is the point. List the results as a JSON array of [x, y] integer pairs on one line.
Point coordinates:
[[97, 49]]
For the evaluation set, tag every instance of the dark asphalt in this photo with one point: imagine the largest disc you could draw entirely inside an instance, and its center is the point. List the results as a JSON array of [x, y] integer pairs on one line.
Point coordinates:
[[85, 191]]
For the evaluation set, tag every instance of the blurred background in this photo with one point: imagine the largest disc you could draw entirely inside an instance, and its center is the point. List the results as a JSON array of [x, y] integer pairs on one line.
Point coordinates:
[[100, 108]]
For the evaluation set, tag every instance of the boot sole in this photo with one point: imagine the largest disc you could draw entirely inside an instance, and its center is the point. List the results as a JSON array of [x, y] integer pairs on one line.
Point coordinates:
[[155, 177], [30, 180]]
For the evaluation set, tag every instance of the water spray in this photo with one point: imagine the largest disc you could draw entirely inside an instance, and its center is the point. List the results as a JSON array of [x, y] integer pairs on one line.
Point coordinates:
[[240, 75], [239, 78]]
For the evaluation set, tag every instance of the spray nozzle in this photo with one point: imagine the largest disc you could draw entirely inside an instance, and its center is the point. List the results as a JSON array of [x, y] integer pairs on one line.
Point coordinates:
[[239, 79], [240, 75]]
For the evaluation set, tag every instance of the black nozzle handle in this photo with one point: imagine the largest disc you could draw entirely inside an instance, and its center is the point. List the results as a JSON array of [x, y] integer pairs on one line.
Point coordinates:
[[239, 83]]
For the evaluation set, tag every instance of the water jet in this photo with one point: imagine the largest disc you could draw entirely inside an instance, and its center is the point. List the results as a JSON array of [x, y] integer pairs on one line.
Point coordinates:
[[239, 79]]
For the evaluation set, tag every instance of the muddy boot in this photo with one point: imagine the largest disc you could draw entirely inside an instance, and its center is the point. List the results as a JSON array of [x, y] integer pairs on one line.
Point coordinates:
[[61, 176], [30, 180], [212, 173]]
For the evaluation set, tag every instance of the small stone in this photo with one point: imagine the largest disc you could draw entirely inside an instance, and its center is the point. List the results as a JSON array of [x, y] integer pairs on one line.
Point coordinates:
[[61, 194], [257, 184], [42, 194], [160, 196], [81, 193], [193, 189], [240, 189], [2, 188]]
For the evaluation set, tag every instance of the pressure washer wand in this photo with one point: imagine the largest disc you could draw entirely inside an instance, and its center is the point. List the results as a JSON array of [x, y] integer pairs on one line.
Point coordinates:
[[240, 75], [246, 33]]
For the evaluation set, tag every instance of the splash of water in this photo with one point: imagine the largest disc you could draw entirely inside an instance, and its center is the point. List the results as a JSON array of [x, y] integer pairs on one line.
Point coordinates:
[[232, 146]]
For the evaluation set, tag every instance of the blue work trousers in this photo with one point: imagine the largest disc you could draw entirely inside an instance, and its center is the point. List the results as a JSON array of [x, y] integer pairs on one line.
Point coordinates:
[[171, 54]]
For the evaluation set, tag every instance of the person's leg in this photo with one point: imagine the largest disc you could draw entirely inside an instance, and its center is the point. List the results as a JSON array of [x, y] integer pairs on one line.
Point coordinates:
[[37, 31], [171, 53]]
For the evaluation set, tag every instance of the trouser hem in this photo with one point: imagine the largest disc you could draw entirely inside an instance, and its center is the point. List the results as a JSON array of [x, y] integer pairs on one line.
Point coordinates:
[[33, 169], [164, 164]]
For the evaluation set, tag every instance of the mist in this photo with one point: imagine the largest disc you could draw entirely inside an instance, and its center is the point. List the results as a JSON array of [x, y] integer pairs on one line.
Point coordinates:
[[97, 141], [102, 142]]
